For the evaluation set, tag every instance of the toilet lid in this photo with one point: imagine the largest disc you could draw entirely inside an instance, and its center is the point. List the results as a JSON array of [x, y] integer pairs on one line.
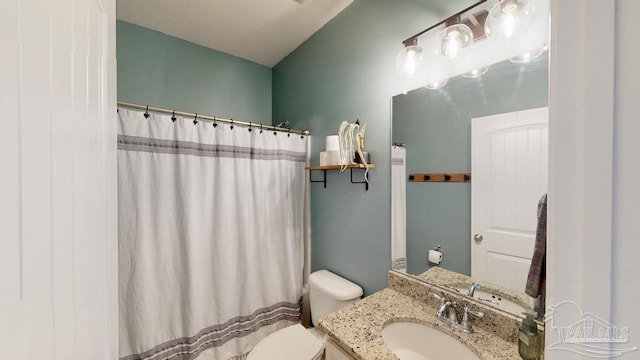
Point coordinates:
[[291, 343]]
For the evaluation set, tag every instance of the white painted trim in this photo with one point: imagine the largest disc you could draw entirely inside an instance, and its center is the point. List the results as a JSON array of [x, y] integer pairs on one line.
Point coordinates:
[[581, 90]]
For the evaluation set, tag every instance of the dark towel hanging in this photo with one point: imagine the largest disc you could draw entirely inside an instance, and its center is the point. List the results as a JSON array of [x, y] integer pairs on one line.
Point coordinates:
[[537, 279]]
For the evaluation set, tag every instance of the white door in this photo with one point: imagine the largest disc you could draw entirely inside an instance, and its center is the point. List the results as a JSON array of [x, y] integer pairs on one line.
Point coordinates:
[[509, 165], [58, 226]]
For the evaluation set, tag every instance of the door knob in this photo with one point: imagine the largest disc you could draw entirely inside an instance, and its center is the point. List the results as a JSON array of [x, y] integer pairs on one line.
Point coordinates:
[[477, 237]]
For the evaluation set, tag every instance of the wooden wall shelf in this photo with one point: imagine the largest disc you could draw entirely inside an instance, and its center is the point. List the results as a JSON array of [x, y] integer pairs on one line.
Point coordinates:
[[324, 169], [450, 178], [339, 167]]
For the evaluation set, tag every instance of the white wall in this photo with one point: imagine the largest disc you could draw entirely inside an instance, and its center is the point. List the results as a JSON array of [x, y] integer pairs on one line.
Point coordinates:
[[58, 219], [626, 193], [594, 200]]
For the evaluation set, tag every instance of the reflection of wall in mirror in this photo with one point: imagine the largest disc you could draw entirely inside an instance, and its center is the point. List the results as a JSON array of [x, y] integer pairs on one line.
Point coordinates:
[[435, 127]]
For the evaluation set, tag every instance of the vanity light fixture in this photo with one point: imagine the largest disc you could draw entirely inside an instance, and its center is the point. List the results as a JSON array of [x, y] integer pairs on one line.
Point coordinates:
[[510, 19], [451, 41], [507, 20]]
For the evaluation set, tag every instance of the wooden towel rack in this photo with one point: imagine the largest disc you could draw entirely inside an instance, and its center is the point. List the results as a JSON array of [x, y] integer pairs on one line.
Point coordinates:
[[457, 178]]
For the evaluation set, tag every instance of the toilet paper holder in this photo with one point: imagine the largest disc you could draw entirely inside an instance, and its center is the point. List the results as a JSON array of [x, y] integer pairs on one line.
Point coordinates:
[[436, 255]]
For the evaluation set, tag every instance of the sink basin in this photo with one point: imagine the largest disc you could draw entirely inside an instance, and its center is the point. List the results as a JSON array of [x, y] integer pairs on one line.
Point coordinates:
[[410, 341]]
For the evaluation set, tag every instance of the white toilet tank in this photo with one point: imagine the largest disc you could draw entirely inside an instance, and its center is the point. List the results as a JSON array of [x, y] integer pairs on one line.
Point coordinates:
[[330, 292]]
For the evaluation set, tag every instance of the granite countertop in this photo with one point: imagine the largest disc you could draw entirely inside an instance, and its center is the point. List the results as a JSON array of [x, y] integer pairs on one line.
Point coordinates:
[[357, 328]]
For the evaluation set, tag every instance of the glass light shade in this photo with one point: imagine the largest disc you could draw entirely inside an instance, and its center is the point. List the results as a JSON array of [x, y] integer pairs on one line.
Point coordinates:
[[452, 39], [436, 84], [476, 72], [510, 19], [409, 62], [526, 57]]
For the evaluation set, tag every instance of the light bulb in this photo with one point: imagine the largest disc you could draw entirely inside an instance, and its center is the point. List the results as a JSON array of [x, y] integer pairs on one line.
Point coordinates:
[[453, 39], [510, 19], [453, 45], [409, 61], [508, 26]]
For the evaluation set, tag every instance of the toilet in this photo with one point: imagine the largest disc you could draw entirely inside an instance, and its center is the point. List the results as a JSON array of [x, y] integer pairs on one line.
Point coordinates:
[[328, 293]]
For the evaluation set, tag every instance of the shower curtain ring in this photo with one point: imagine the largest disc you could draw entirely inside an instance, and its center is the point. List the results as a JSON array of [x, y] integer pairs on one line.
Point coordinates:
[[260, 128], [231, 127], [215, 124], [250, 126], [146, 113], [289, 133], [173, 115], [195, 121]]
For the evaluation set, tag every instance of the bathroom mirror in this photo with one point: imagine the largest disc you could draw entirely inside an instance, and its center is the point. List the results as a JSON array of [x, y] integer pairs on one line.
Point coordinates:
[[434, 127]]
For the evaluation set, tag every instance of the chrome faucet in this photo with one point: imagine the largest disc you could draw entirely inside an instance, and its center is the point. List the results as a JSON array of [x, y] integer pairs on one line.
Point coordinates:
[[473, 288], [447, 312], [465, 325]]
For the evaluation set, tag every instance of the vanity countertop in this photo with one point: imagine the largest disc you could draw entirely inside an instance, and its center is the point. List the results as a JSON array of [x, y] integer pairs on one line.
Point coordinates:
[[357, 328]]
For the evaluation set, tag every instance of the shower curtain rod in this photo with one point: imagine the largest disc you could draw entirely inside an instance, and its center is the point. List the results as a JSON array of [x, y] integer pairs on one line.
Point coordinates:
[[212, 118]]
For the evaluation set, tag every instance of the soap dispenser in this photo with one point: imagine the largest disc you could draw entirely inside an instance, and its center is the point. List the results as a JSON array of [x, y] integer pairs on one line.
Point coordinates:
[[529, 338]]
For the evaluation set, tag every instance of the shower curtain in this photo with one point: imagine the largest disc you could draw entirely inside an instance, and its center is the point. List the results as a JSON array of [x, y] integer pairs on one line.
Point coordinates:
[[398, 208], [211, 227]]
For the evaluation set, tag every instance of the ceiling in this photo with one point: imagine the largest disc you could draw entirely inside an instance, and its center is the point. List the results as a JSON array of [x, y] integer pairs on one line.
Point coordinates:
[[262, 31]]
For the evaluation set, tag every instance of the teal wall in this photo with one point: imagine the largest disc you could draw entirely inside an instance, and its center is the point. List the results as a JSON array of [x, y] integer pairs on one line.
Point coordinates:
[[346, 70], [435, 126], [160, 70]]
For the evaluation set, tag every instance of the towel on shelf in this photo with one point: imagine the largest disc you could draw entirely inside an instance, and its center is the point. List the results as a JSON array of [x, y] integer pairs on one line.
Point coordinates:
[[536, 281]]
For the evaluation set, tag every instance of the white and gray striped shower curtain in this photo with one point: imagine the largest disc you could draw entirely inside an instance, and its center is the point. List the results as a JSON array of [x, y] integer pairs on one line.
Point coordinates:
[[211, 226]]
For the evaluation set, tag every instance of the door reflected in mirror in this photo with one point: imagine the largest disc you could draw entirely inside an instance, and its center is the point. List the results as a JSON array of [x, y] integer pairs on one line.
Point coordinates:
[[507, 162]]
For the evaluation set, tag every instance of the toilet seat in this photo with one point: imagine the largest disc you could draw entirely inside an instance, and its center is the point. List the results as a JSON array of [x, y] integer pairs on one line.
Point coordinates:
[[291, 343]]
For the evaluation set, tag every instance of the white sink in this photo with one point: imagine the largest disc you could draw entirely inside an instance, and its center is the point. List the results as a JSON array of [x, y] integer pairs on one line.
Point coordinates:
[[410, 341]]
